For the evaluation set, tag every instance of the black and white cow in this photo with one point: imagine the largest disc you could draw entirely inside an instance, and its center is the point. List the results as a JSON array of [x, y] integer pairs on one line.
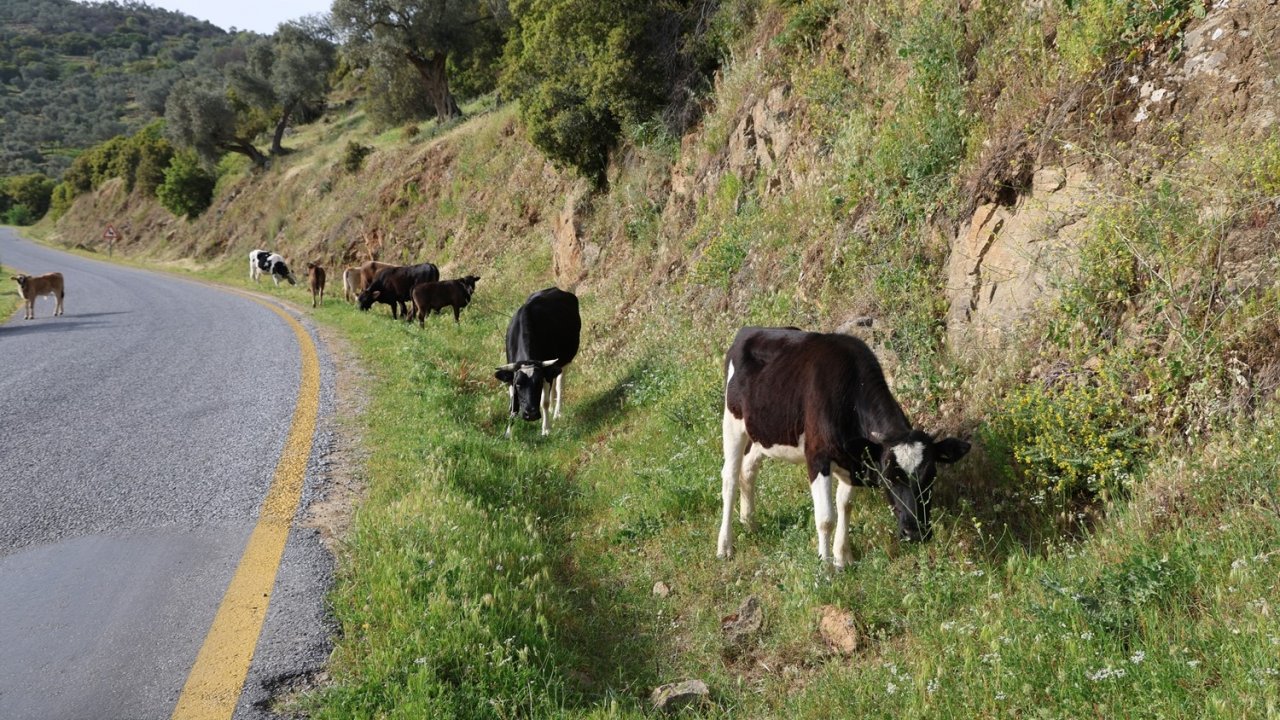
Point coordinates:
[[541, 340], [262, 262], [821, 399]]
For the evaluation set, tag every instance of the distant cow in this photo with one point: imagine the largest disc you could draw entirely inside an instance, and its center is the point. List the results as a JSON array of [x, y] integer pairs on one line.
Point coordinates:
[[356, 279], [436, 296], [31, 287], [822, 400], [541, 340], [392, 286], [315, 280], [263, 262], [352, 283]]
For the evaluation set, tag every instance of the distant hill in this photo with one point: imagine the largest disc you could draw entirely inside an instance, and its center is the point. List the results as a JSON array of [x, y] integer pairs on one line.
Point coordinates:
[[75, 74]]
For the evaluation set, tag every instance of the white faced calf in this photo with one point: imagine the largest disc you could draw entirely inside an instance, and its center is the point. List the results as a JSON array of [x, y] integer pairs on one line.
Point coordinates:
[[822, 400]]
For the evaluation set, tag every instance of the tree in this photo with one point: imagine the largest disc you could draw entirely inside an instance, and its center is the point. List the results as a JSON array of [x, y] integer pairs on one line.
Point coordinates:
[[286, 74], [426, 33], [212, 122], [581, 70], [187, 189]]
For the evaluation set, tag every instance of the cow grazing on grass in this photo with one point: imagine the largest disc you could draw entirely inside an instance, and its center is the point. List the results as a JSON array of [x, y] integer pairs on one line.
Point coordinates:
[[392, 286], [315, 280], [436, 296], [352, 283], [541, 340], [31, 287], [262, 262], [370, 270], [822, 400]]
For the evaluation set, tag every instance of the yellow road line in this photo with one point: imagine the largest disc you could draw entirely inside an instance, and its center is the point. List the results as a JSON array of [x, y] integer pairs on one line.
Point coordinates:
[[213, 688]]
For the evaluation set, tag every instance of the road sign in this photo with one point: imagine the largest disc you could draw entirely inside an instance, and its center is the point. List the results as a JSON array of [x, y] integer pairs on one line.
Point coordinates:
[[110, 233]]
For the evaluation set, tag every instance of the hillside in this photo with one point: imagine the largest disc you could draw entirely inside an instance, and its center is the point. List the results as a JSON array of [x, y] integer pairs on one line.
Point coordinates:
[[73, 74], [1057, 225]]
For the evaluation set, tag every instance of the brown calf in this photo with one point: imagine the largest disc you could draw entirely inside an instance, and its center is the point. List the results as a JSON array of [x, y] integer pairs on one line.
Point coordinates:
[[433, 297], [315, 279], [31, 287]]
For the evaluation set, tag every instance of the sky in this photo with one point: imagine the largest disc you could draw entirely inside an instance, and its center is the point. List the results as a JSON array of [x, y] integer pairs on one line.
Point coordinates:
[[258, 15]]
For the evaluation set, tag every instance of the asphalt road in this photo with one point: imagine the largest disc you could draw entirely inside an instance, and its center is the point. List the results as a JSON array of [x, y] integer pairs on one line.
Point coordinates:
[[139, 433]]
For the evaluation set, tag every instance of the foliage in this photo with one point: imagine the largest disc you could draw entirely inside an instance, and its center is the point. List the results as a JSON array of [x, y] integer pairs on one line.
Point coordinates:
[[187, 189], [211, 122], [353, 156], [286, 76], [1072, 439], [581, 73], [139, 159], [436, 37], [1102, 29], [70, 73], [24, 199]]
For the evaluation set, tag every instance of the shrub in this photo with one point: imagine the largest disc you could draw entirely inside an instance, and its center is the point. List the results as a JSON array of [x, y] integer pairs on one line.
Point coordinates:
[[63, 197], [353, 156], [1073, 437], [19, 215], [187, 189]]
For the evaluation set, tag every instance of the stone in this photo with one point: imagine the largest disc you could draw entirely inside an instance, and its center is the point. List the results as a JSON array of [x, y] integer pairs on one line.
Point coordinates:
[[661, 590], [745, 623], [671, 697]]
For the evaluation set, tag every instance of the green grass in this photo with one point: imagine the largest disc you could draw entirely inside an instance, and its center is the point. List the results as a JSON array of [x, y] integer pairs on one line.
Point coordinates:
[[9, 298]]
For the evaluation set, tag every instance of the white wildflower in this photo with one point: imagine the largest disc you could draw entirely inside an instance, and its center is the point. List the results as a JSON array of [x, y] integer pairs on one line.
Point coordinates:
[[1138, 657], [1086, 635], [933, 686], [890, 689], [1106, 673], [1193, 663]]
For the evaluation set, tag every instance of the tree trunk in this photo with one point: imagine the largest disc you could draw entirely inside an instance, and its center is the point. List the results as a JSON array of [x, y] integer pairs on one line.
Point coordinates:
[[435, 74], [247, 149], [276, 148]]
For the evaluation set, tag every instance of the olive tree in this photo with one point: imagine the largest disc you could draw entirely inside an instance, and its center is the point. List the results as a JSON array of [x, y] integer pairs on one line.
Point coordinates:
[[428, 34]]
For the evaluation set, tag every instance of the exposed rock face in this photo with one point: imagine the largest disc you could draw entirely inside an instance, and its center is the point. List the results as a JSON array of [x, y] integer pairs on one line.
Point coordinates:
[[763, 136], [1008, 260], [571, 256]]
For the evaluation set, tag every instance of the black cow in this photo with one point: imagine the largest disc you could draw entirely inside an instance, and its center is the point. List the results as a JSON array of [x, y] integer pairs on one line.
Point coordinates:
[[393, 286], [541, 340], [436, 296], [822, 399]]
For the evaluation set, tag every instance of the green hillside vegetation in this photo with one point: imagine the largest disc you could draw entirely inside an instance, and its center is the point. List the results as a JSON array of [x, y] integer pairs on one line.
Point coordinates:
[[75, 74], [1050, 256]]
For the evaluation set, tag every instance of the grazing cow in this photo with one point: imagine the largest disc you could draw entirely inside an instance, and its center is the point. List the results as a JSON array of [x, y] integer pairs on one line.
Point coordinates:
[[392, 286], [261, 261], [436, 296], [352, 283], [315, 280], [31, 287], [821, 399], [541, 340], [370, 270], [356, 279]]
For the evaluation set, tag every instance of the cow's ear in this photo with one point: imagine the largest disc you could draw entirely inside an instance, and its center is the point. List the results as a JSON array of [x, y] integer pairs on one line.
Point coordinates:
[[506, 376], [950, 450]]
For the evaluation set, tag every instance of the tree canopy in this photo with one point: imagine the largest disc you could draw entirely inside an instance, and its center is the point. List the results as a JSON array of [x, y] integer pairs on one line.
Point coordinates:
[[431, 35]]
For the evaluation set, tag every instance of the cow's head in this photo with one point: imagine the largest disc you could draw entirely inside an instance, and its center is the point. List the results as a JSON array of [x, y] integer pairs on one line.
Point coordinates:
[[366, 298], [908, 467], [22, 283], [279, 269], [525, 379], [469, 282]]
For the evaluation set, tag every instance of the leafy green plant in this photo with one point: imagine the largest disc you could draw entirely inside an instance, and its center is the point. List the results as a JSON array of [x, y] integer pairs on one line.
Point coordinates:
[[187, 189], [353, 156]]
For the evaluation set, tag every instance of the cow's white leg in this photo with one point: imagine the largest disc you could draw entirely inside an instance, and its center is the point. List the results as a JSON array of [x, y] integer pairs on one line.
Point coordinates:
[[735, 444], [844, 497], [545, 401], [747, 493], [820, 488], [559, 386]]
